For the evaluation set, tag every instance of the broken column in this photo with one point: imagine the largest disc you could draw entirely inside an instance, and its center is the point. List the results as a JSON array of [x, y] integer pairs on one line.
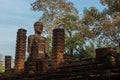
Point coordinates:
[[20, 50], [106, 55], [7, 64], [58, 45]]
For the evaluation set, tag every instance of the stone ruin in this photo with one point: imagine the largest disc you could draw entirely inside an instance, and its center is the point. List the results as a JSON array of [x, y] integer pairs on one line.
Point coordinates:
[[105, 66], [20, 50], [8, 64], [58, 47]]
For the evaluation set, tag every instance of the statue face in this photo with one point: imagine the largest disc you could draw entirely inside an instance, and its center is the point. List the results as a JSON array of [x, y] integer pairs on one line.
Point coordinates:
[[38, 27]]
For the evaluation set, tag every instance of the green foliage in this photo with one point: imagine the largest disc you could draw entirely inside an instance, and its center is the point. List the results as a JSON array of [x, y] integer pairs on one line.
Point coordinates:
[[56, 13], [91, 15], [95, 29], [70, 44], [53, 11], [84, 53], [105, 24], [100, 29], [112, 6], [50, 45], [69, 23], [1, 70], [1, 67]]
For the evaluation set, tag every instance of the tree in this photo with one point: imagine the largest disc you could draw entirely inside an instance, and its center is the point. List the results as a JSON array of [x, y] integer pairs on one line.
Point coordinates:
[[112, 6], [76, 36], [61, 13], [70, 24], [1, 67], [52, 11], [111, 28], [1, 64], [113, 21], [105, 23], [57, 13]]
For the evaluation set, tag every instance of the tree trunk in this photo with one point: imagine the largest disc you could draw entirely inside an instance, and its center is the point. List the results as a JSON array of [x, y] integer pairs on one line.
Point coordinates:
[[71, 52]]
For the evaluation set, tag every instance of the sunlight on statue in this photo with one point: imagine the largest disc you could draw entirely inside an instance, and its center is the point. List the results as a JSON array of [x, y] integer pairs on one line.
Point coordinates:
[[41, 41]]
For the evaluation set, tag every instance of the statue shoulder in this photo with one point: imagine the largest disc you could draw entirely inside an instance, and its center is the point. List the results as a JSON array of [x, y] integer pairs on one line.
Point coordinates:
[[31, 36]]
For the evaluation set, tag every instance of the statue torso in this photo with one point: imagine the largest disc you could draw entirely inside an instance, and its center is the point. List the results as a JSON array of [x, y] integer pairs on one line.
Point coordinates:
[[40, 42]]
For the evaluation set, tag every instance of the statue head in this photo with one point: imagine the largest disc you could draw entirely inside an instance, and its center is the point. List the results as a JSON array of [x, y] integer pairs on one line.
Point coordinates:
[[38, 27]]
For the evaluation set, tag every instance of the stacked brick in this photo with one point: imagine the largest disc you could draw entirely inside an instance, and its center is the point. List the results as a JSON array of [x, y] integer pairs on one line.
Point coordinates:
[[88, 69], [58, 44], [30, 64], [20, 50], [67, 58], [34, 64], [7, 64], [103, 52], [106, 55]]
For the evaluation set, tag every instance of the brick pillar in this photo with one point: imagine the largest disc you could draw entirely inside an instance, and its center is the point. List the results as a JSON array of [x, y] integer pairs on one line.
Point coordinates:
[[58, 47], [7, 63], [20, 50], [106, 55]]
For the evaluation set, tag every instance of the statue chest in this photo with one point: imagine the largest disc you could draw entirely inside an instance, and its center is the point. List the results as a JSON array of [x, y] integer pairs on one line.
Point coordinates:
[[41, 44]]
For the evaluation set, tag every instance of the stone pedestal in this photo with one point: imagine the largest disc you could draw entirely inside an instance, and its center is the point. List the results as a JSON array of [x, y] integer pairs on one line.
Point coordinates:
[[58, 44], [20, 50]]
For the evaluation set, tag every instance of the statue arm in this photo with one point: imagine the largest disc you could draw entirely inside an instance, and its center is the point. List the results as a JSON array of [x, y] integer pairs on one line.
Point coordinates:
[[46, 49], [46, 45], [29, 45]]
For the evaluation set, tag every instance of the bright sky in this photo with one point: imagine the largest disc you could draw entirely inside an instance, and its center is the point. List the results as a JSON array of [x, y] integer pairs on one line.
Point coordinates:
[[15, 14]]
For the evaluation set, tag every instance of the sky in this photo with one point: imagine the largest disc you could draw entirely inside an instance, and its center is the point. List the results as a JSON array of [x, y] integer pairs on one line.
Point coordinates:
[[15, 14]]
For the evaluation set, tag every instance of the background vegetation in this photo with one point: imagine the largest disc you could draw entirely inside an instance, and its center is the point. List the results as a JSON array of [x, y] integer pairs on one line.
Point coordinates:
[[94, 29], [84, 34]]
